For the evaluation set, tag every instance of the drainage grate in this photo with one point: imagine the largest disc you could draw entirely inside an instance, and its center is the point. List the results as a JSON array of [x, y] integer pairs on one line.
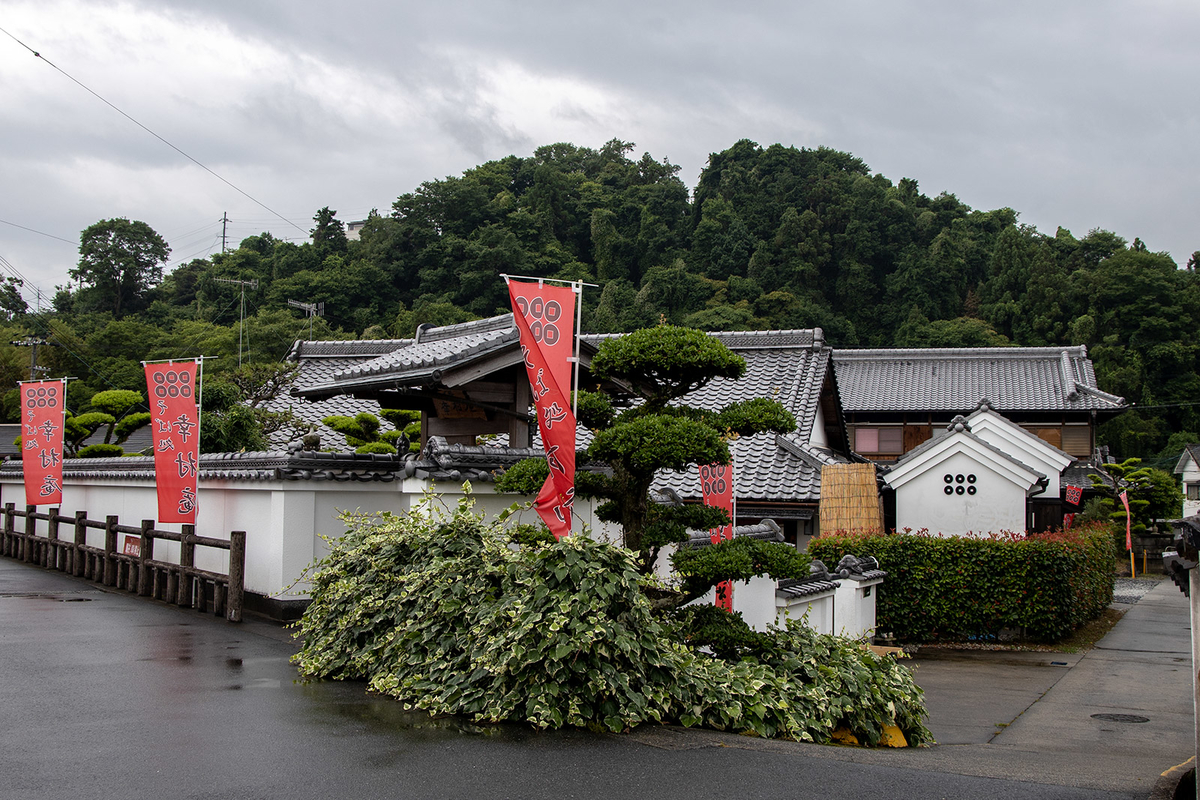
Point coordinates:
[[1120, 717]]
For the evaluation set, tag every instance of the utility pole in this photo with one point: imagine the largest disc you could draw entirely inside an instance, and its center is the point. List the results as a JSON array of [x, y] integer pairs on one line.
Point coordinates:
[[253, 284], [224, 222], [311, 310], [33, 342]]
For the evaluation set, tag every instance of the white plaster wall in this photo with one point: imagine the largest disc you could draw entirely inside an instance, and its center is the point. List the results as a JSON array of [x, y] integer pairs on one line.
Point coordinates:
[[817, 437], [1025, 452], [854, 607], [815, 611], [997, 505], [753, 599], [286, 522]]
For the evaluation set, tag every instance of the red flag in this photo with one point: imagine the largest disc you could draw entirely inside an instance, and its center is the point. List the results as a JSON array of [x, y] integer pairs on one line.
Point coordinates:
[[1074, 494], [716, 486], [1068, 520], [175, 420], [1128, 522], [43, 415], [544, 317]]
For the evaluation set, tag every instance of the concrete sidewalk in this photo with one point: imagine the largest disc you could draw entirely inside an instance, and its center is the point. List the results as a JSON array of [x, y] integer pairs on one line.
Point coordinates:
[[1029, 716]]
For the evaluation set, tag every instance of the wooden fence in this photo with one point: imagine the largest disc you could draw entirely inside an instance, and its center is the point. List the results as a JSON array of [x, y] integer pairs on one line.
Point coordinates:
[[182, 584]]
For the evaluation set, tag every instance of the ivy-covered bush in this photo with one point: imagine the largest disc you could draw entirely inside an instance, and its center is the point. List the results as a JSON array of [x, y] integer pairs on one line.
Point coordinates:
[[961, 587], [451, 615]]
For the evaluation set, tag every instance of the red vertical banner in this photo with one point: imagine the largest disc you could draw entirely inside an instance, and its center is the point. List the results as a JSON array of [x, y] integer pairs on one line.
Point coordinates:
[[43, 415], [716, 485], [544, 316], [175, 421], [1128, 522]]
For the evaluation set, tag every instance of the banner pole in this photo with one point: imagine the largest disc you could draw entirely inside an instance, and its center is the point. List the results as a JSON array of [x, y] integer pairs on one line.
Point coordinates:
[[578, 287]]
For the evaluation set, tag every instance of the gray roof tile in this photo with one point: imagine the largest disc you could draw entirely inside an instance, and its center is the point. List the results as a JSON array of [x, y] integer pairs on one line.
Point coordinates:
[[956, 379]]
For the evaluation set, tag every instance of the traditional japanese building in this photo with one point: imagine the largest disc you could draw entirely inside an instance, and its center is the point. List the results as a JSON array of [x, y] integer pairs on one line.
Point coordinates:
[[469, 385]]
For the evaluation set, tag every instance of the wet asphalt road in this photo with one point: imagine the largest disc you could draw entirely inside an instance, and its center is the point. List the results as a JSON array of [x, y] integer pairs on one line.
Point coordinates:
[[108, 695]]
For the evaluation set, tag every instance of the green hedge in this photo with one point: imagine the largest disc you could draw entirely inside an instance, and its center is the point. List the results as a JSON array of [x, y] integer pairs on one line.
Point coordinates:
[[959, 587]]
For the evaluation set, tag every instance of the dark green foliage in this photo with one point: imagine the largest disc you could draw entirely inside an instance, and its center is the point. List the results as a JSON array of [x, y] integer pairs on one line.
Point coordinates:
[[524, 477], [119, 261], [648, 443], [737, 560], [748, 417], [376, 447], [666, 362], [101, 451], [1152, 493], [595, 410], [446, 617], [959, 587]]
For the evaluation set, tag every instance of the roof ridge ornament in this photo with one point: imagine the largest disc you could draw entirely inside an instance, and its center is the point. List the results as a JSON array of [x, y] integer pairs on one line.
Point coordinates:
[[959, 425]]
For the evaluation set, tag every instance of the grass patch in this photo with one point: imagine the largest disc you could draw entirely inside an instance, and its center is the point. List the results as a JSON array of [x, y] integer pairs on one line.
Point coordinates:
[[1084, 637]]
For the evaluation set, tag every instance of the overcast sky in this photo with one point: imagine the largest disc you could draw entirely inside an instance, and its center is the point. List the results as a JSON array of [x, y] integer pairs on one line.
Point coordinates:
[[1082, 113]]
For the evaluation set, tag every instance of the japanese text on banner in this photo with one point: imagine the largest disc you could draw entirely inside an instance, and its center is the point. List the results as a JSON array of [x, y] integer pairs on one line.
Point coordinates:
[[175, 423], [544, 316], [716, 487], [43, 409]]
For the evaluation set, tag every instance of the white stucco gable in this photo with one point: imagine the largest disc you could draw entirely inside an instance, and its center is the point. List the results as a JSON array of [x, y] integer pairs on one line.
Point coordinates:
[[1022, 445], [959, 484]]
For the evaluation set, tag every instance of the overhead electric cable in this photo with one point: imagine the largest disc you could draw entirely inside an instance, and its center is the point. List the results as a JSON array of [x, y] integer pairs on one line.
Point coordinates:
[[78, 83], [39, 233]]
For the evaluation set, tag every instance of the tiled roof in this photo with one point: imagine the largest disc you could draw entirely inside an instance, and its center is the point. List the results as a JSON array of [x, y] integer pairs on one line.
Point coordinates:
[[419, 360], [804, 587], [958, 427], [319, 362], [261, 466], [790, 366], [767, 530], [956, 379], [1192, 452]]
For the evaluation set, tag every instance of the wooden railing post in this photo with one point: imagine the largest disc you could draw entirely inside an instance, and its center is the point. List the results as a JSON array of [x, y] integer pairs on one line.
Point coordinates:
[[50, 560], [10, 541], [144, 557], [30, 532], [187, 560], [110, 550], [77, 554], [237, 576]]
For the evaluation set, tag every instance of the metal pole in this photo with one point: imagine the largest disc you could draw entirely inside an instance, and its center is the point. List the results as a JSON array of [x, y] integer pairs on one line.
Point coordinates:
[[578, 327], [1194, 598]]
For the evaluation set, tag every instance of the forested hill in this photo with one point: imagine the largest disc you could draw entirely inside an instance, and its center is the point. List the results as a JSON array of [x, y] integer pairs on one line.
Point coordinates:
[[774, 237]]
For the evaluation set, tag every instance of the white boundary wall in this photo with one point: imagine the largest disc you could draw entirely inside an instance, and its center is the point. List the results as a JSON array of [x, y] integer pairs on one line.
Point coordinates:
[[286, 521]]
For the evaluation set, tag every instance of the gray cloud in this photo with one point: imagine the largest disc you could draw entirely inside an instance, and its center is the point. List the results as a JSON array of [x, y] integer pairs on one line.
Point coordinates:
[[1080, 113]]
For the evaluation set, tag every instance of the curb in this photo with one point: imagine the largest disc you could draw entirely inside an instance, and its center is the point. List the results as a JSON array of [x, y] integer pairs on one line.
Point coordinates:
[[1169, 781]]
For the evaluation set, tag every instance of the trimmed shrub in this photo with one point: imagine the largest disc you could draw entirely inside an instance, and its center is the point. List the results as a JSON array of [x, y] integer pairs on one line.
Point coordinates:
[[451, 616], [961, 587], [101, 451]]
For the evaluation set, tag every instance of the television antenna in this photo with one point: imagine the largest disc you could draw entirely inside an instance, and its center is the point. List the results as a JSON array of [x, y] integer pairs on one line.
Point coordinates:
[[253, 284], [311, 310]]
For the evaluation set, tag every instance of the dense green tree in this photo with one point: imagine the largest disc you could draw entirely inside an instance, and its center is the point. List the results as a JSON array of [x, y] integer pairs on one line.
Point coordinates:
[[119, 261]]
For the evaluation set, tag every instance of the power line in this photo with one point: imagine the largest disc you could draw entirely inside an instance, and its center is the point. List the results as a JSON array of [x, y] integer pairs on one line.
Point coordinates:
[[39, 233], [78, 83]]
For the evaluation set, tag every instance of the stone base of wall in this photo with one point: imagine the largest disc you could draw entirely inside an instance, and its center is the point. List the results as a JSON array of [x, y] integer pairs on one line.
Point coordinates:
[[273, 608]]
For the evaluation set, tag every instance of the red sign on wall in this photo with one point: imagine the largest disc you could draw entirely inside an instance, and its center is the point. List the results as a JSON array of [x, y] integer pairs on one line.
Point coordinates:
[[175, 421], [716, 485], [544, 316], [43, 414]]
